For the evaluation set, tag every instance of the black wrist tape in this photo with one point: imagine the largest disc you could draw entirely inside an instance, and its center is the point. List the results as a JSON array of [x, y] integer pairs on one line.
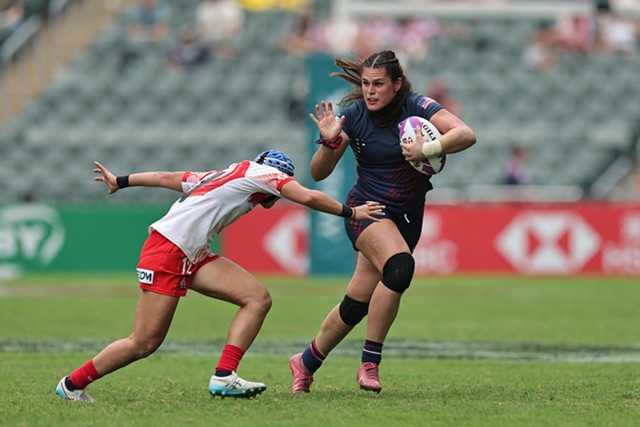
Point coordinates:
[[122, 181], [347, 212]]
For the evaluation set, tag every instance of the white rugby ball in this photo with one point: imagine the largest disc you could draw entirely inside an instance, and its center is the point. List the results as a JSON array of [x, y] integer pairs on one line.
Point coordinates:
[[433, 164]]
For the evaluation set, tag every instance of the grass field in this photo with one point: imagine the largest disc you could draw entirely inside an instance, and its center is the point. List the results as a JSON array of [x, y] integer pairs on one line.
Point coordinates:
[[464, 351]]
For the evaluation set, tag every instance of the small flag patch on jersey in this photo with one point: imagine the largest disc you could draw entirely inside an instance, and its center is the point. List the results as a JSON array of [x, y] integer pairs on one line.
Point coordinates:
[[425, 101]]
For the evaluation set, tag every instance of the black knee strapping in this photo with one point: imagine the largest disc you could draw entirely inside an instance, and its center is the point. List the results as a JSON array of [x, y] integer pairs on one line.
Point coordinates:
[[398, 272], [352, 311]]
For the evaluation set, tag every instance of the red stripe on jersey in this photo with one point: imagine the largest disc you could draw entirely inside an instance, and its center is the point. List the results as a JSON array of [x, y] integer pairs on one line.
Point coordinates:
[[283, 182], [239, 171]]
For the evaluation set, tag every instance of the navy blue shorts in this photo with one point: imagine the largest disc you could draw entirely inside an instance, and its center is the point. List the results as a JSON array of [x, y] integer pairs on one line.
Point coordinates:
[[409, 224]]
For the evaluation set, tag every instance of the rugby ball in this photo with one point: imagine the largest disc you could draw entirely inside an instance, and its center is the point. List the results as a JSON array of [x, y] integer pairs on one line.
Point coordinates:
[[431, 165]]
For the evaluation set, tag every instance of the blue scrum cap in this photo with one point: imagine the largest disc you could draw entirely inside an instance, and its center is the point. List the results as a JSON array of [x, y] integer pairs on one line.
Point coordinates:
[[276, 159]]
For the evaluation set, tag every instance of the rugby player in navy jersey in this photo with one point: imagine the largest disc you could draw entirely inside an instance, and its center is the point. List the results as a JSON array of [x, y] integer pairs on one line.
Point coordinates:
[[382, 97]]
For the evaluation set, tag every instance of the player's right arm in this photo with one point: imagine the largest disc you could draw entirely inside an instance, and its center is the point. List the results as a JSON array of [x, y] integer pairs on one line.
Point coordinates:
[[327, 156], [170, 180]]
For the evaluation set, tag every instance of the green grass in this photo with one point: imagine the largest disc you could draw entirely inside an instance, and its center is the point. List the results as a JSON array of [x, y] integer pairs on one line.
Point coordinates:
[[464, 351]]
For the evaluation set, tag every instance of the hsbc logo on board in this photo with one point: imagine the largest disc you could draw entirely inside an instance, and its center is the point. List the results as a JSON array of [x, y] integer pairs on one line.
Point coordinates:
[[435, 254], [548, 242], [283, 242]]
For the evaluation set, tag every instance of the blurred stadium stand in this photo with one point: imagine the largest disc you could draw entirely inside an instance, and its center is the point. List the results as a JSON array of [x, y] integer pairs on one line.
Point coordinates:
[[580, 120]]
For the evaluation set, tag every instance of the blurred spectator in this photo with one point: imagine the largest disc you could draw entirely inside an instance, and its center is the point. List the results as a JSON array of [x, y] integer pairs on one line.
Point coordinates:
[[416, 36], [219, 25], [439, 91], [147, 27], [12, 14], [517, 169], [296, 108], [378, 33], [11, 17], [188, 53], [148, 22], [541, 52], [410, 38], [618, 34], [576, 33], [341, 37], [304, 36], [309, 35]]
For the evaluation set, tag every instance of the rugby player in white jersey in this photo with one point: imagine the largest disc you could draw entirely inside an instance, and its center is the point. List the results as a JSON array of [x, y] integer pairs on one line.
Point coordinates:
[[176, 257]]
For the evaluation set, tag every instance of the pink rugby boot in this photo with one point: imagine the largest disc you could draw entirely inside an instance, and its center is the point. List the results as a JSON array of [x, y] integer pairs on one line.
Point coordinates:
[[368, 377], [302, 377]]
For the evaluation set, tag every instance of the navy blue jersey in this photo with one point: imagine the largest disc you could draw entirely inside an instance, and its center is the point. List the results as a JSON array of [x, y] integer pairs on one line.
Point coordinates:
[[383, 173]]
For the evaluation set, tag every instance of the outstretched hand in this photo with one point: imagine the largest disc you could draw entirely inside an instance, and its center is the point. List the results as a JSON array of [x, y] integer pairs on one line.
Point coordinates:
[[370, 210], [106, 176], [325, 119]]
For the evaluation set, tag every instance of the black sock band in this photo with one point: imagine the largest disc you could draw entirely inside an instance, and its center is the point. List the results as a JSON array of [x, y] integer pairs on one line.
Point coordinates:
[[372, 352], [69, 384]]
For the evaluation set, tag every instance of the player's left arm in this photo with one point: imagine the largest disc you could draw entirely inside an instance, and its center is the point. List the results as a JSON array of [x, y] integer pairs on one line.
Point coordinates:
[[456, 137], [319, 201], [170, 180]]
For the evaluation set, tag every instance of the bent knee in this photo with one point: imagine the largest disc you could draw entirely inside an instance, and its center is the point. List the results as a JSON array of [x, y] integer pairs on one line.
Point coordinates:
[[397, 272], [261, 301], [145, 348], [352, 311], [266, 303]]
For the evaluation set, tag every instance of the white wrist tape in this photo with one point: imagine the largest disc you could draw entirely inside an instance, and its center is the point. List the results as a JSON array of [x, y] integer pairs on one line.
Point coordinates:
[[432, 148]]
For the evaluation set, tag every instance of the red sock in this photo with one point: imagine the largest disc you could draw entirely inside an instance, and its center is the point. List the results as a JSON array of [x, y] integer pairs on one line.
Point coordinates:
[[85, 375], [230, 358]]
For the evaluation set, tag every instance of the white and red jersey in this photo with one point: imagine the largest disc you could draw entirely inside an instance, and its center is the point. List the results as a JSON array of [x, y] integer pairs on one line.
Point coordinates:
[[213, 200]]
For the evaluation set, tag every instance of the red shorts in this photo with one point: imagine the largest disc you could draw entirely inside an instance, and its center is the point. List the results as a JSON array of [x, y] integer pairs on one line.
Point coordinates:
[[164, 269]]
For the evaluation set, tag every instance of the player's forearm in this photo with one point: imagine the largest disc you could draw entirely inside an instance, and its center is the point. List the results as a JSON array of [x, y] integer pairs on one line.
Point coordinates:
[[314, 199], [319, 201], [457, 139], [170, 180], [322, 163]]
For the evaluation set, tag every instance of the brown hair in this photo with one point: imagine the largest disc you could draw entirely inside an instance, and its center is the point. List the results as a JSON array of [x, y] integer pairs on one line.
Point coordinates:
[[353, 74]]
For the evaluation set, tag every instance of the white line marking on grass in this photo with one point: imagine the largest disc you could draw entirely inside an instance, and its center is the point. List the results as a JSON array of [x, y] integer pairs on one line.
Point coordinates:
[[394, 349]]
